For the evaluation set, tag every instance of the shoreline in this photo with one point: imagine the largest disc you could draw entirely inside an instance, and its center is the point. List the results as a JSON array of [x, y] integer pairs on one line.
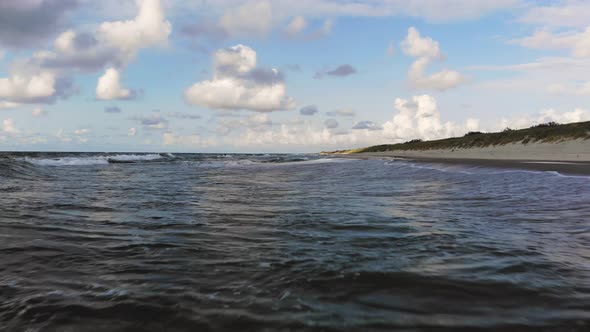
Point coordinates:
[[562, 167], [569, 157]]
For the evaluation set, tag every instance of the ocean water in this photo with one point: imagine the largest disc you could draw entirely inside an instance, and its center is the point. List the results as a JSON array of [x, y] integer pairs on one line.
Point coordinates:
[[163, 242]]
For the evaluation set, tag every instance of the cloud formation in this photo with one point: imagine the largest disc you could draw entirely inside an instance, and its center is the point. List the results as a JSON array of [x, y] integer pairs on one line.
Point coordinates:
[[368, 125], [239, 84], [46, 75], [109, 87], [340, 71], [544, 116], [578, 42], [308, 110], [27, 23], [426, 50], [420, 118]]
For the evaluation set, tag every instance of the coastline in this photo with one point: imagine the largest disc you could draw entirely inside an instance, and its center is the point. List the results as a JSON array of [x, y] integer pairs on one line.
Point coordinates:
[[569, 157]]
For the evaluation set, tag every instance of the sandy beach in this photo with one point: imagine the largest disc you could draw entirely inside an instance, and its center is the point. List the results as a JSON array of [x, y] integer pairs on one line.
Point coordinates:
[[569, 157]]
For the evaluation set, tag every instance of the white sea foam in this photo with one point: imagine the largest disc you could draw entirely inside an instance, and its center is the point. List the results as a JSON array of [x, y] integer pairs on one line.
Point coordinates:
[[90, 160], [136, 157]]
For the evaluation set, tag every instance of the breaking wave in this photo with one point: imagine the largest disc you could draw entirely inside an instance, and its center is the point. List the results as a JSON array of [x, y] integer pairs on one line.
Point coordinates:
[[93, 160]]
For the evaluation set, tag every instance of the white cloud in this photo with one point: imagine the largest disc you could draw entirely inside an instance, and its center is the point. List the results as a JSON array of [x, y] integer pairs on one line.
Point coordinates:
[[251, 18], [416, 46], [132, 132], [442, 80], [148, 28], [109, 86], [297, 25], [426, 50], [544, 116], [430, 10], [39, 112], [45, 75], [238, 84], [569, 13], [578, 42], [23, 87], [577, 115], [420, 118]]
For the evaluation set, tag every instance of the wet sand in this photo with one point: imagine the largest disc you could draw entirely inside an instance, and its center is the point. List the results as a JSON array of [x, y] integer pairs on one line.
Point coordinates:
[[570, 157]]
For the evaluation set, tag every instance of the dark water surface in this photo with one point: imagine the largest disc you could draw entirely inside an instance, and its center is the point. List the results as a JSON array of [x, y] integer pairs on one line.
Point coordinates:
[[288, 243]]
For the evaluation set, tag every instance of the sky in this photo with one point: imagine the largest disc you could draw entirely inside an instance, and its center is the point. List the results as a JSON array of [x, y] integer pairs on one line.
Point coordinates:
[[284, 76]]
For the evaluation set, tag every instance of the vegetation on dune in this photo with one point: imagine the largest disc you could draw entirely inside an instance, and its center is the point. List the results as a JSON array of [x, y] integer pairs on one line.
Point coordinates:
[[546, 132]]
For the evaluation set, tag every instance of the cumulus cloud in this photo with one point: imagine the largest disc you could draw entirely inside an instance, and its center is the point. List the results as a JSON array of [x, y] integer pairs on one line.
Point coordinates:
[[544, 116], [28, 23], [39, 112], [148, 28], [340, 71], [331, 123], [239, 84], [419, 118], [109, 87], [308, 110], [22, 87], [426, 50], [417, 46], [45, 76], [369, 125], [442, 80]]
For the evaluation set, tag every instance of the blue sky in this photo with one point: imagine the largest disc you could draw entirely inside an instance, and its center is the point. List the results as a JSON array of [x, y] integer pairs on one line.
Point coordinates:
[[233, 75]]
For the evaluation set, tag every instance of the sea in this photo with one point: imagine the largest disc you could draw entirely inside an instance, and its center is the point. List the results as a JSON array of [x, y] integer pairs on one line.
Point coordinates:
[[288, 242]]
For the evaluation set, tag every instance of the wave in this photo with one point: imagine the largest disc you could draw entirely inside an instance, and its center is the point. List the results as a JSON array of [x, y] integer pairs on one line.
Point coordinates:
[[477, 170], [23, 171], [93, 160]]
